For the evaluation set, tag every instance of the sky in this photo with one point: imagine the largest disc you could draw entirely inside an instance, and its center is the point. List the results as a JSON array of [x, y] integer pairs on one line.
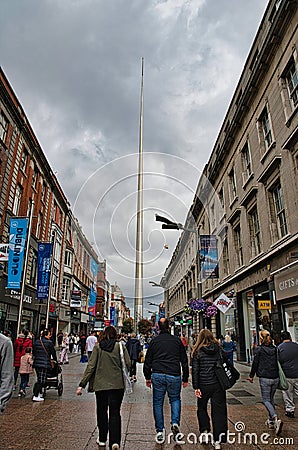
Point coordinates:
[[75, 66]]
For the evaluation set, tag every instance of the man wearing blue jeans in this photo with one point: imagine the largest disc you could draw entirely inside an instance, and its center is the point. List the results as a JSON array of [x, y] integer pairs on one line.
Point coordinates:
[[162, 369]]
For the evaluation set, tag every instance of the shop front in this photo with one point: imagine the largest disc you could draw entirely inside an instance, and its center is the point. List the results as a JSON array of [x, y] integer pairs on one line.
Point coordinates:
[[286, 294]]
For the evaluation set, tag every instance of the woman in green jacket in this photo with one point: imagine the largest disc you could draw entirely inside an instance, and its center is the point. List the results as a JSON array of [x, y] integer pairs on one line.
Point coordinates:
[[104, 375]]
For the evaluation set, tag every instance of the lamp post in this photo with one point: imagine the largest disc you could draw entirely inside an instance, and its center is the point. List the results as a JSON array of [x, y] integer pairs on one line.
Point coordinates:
[[170, 225]]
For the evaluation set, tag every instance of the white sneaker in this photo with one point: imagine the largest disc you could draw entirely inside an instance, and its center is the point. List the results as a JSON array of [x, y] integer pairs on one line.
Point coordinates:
[[100, 444], [269, 424], [37, 399], [278, 426], [160, 437], [217, 445], [115, 447]]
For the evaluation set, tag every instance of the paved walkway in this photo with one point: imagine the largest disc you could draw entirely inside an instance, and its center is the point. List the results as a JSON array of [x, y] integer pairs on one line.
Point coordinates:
[[68, 422]]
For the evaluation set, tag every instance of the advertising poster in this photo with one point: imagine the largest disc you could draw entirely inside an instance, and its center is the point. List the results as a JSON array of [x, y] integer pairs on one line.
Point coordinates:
[[209, 256], [17, 244], [44, 258]]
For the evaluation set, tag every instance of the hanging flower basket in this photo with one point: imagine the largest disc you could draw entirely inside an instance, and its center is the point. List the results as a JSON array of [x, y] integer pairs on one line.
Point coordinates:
[[210, 311], [196, 306]]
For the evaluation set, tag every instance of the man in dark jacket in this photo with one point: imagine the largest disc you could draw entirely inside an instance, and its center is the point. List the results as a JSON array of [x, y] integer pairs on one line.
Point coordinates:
[[162, 369], [43, 352], [288, 357], [134, 349]]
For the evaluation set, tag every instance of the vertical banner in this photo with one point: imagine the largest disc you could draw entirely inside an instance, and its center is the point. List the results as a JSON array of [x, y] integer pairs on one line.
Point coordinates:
[[17, 244], [209, 256], [44, 258], [93, 290], [112, 315]]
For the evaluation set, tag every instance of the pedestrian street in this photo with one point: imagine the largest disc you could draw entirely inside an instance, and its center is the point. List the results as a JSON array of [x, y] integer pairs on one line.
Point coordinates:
[[68, 422]]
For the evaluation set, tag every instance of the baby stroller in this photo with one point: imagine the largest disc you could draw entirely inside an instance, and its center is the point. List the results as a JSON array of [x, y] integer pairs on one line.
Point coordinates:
[[54, 380]]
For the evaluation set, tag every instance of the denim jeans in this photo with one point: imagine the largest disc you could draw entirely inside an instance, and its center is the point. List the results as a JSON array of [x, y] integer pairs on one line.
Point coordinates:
[[171, 385], [24, 381], [268, 388]]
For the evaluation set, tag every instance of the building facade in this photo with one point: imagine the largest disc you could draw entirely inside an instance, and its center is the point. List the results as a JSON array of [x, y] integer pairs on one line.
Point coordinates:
[[29, 188], [247, 197]]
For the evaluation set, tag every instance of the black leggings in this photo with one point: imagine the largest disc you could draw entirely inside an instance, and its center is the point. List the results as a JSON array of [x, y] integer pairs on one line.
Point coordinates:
[[108, 404]]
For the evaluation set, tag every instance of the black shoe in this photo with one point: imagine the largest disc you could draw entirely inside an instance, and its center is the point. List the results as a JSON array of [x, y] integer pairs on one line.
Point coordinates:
[[290, 414]]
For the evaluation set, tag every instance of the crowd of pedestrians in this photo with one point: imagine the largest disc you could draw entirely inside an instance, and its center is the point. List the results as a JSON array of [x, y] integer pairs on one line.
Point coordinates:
[[169, 361]]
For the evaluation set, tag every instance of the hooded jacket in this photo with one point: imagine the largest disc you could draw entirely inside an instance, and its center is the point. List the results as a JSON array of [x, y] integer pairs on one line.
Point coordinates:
[[264, 364], [20, 345], [104, 370], [134, 348], [203, 366]]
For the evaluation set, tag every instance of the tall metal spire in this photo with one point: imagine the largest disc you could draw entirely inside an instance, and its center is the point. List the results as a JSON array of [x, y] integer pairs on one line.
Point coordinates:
[[138, 303]]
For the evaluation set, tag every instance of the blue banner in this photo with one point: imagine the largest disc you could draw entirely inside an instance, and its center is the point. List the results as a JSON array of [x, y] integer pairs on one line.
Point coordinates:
[[44, 258], [17, 244], [112, 315], [94, 268], [209, 256]]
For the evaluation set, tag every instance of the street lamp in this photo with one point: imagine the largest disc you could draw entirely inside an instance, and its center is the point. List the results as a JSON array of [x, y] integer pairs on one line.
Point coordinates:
[[170, 225]]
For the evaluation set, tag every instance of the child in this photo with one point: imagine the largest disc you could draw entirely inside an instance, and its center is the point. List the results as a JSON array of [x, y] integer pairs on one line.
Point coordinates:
[[25, 370]]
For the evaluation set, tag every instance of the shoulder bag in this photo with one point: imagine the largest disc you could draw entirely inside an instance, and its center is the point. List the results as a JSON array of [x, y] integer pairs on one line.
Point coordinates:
[[283, 384], [126, 378], [226, 374]]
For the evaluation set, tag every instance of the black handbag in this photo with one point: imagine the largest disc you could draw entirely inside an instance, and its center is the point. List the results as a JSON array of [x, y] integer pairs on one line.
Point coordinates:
[[226, 374]]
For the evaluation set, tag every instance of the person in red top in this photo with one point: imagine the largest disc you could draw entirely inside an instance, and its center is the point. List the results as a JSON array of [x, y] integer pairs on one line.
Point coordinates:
[[21, 343]]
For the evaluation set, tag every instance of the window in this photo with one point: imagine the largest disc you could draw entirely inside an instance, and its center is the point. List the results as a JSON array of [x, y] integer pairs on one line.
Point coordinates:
[[54, 276], [34, 179], [3, 127], [232, 185], [291, 78], [68, 258], [278, 213], [66, 290], [39, 225], [246, 163], [23, 163], [265, 130], [43, 192], [33, 272], [255, 234], [17, 200], [225, 259], [238, 246]]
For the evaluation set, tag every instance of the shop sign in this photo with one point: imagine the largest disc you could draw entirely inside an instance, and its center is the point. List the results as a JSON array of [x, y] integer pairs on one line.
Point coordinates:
[[223, 303], [286, 283], [264, 304], [75, 299], [4, 249]]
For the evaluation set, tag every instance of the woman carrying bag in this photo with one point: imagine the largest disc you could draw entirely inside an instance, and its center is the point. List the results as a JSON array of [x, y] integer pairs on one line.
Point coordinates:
[[104, 375], [205, 354], [265, 366]]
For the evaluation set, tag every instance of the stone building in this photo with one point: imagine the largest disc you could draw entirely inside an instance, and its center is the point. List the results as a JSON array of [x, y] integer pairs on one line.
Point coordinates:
[[247, 198]]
